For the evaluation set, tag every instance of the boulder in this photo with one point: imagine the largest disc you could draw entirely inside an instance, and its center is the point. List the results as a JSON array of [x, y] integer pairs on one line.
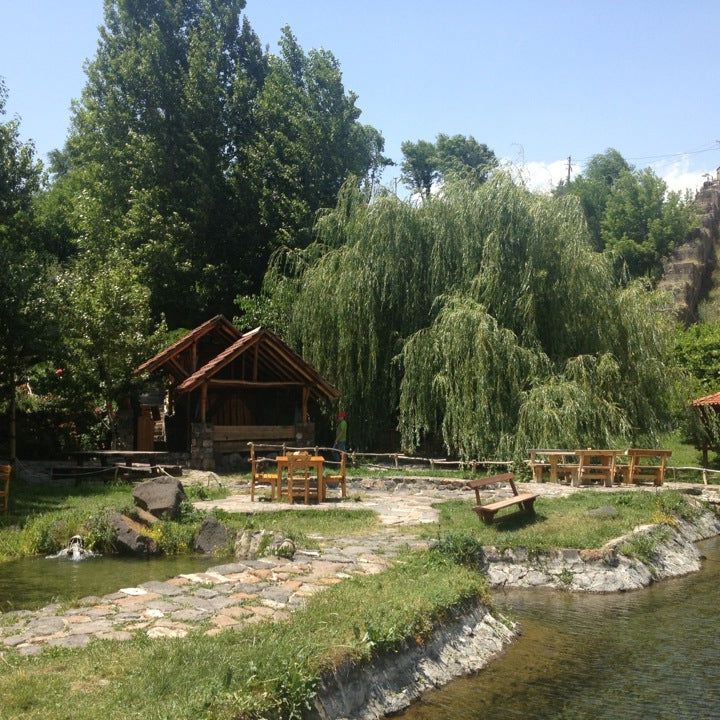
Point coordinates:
[[212, 535], [129, 537], [160, 496], [251, 544]]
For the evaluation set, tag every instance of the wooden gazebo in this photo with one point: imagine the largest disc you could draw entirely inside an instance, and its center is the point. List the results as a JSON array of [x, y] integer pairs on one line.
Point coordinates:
[[708, 409], [226, 388]]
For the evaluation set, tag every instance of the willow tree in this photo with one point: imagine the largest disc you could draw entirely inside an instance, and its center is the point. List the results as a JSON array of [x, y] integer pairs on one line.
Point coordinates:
[[481, 317]]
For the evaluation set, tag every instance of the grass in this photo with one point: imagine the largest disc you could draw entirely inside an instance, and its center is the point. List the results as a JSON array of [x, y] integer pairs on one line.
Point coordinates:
[[305, 525], [43, 518], [268, 670], [562, 522]]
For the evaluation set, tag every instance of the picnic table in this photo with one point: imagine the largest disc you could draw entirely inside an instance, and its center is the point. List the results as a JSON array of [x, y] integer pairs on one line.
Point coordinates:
[[595, 465], [552, 460]]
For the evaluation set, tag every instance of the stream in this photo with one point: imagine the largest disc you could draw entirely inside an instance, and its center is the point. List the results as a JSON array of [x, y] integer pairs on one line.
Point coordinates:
[[36, 581], [652, 654]]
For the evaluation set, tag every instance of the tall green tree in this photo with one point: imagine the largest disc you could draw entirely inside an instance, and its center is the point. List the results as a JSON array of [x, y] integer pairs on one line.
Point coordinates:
[[593, 188], [27, 327], [449, 157], [480, 319], [642, 222], [197, 152], [107, 330]]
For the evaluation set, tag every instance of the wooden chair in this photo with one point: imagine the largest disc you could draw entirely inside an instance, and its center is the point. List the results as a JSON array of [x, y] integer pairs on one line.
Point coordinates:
[[261, 478], [300, 479], [5, 472], [487, 512], [638, 472], [335, 479]]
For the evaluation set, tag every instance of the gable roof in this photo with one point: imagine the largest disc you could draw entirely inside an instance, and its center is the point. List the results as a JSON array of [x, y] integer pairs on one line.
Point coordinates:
[[273, 354], [713, 399], [219, 325]]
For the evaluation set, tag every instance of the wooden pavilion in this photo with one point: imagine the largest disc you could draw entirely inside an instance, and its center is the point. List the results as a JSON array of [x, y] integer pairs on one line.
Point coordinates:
[[226, 388], [707, 409]]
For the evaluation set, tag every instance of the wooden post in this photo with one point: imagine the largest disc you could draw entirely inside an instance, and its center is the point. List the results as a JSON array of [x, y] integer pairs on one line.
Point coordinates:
[[255, 363], [203, 402], [305, 398], [13, 419], [194, 357]]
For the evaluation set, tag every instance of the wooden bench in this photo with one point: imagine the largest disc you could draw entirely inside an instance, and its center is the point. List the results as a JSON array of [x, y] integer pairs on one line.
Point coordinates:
[[487, 512], [637, 472]]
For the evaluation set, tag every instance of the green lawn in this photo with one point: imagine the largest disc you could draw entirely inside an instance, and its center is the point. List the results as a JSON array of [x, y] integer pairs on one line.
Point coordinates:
[[269, 670], [562, 522]]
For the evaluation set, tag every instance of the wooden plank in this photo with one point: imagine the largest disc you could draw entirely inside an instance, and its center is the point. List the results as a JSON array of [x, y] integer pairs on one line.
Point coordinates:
[[230, 433], [253, 384], [203, 402]]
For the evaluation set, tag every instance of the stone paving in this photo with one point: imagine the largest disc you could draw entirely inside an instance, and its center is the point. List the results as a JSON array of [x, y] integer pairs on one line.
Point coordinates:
[[240, 593]]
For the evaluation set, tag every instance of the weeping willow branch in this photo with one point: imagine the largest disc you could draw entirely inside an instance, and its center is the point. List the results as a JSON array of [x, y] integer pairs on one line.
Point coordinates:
[[481, 317]]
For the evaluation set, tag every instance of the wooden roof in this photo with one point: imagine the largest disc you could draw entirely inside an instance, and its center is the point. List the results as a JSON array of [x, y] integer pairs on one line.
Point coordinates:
[[273, 356], [713, 399], [219, 325]]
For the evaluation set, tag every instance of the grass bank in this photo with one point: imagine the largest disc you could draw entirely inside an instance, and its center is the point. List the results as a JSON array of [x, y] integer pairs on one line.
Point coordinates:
[[567, 522], [268, 670], [43, 518]]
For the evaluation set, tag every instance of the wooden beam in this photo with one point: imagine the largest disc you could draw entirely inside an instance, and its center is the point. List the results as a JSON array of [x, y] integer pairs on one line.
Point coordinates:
[[305, 398], [194, 357], [253, 384], [255, 362], [203, 402]]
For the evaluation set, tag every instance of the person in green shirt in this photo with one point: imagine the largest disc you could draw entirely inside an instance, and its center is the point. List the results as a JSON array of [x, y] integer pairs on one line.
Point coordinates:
[[341, 434]]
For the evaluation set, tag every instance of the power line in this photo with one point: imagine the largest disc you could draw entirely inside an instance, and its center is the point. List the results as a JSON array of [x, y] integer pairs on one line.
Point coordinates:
[[714, 147]]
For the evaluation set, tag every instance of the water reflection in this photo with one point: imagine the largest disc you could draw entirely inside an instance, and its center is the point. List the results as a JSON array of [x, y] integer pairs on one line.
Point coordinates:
[[653, 653], [33, 582]]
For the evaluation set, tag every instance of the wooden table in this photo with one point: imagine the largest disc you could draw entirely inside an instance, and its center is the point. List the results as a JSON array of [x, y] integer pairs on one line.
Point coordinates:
[[127, 456], [316, 462], [555, 458], [596, 465]]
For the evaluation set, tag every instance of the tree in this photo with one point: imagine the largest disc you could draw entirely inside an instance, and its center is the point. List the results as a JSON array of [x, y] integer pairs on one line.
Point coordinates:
[[481, 319], [593, 188], [198, 152], [642, 222], [451, 156], [464, 157], [27, 326], [419, 166], [107, 330]]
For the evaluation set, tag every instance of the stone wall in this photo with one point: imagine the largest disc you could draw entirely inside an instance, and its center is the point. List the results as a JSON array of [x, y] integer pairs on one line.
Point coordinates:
[[202, 455], [689, 270]]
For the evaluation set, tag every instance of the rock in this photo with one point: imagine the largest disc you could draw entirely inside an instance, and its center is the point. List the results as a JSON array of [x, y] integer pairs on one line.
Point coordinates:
[[212, 535], [160, 496], [607, 511], [145, 517], [254, 543], [129, 537]]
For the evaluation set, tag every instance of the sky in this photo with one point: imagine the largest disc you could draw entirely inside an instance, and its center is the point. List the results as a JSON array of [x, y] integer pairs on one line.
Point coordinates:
[[537, 81]]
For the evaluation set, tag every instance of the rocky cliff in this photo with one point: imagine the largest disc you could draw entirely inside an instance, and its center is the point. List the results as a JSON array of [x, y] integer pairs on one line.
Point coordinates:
[[689, 271]]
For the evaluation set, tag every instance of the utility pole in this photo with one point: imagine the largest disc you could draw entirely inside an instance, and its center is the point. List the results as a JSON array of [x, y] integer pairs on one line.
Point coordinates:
[[569, 168]]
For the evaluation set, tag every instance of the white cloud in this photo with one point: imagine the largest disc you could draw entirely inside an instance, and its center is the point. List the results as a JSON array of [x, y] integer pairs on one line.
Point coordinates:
[[679, 177], [541, 176], [544, 176]]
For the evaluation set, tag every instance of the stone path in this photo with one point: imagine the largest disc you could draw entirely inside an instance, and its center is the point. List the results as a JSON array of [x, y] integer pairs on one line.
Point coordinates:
[[240, 593]]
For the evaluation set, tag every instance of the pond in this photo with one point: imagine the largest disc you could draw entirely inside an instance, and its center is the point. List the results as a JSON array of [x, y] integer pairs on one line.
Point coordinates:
[[34, 582], [653, 653]]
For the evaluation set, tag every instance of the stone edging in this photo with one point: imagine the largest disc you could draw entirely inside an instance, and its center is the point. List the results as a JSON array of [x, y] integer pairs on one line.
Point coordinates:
[[606, 569], [390, 682]]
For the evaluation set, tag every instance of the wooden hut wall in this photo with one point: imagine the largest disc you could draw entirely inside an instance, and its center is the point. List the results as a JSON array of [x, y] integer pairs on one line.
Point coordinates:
[[254, 406]]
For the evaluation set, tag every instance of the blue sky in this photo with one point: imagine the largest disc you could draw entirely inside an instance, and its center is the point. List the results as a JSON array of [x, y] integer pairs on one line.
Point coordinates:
[[536, 81]]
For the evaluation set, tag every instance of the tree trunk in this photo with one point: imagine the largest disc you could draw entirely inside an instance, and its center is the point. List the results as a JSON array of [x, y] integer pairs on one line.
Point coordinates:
[[13, 420]]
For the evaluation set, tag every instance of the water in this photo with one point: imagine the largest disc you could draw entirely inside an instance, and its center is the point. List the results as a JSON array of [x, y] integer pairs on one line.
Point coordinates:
[[34, 582], [653, 654]]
